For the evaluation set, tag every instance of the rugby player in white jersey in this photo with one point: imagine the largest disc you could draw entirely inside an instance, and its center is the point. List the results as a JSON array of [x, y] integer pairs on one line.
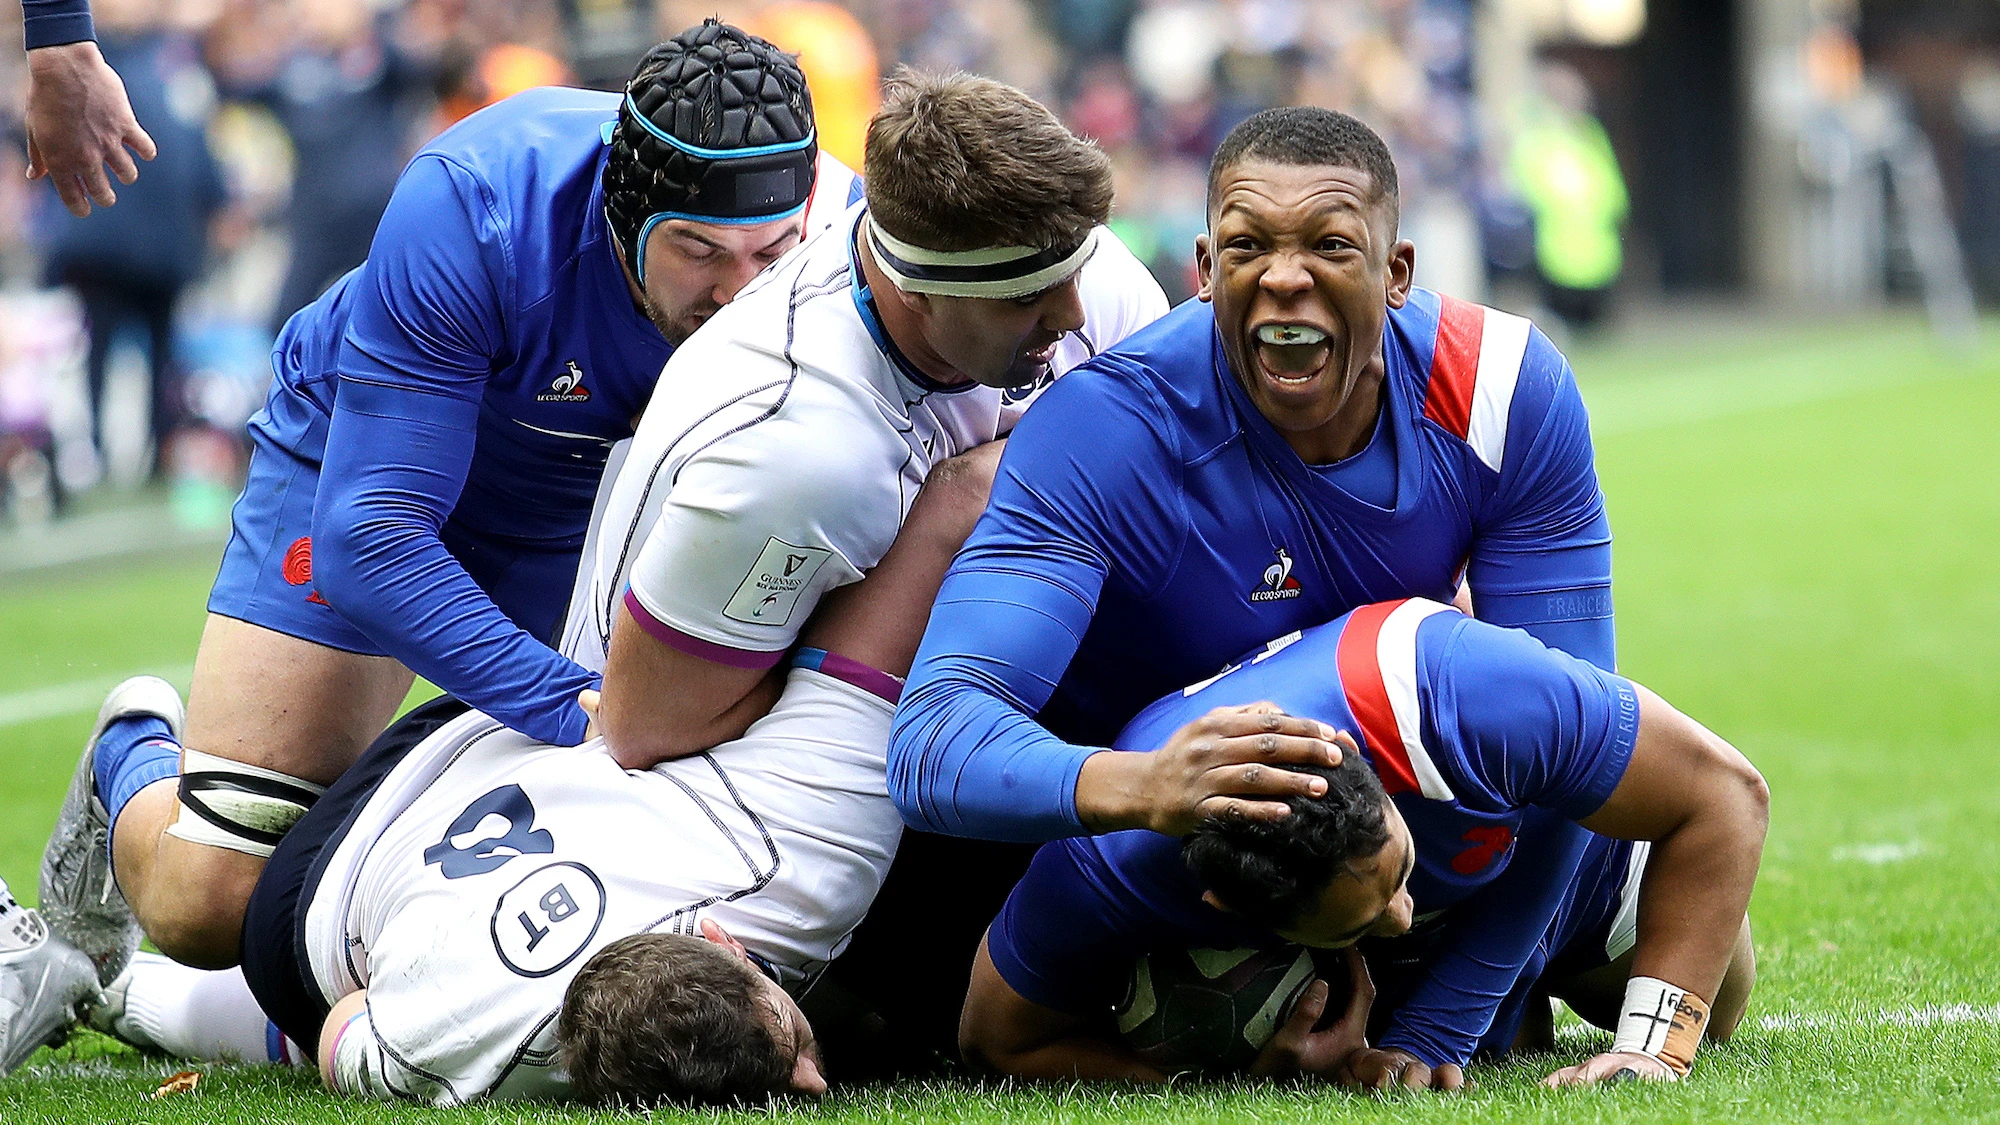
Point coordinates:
[[786, 440], [468, 914]]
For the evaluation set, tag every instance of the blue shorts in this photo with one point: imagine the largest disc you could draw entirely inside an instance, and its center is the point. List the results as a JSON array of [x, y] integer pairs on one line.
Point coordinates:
[[274, 922], [266, 576]]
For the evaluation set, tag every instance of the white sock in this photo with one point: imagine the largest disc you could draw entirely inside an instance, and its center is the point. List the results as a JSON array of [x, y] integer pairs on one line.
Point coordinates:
[[198, 1014]]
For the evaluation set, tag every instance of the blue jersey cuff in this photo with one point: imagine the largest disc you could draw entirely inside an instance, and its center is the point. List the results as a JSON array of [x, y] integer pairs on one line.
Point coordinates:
[[1622, 739], [53, 23]]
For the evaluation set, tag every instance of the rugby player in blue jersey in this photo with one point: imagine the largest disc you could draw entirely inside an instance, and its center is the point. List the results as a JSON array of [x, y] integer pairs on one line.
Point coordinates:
[[423, 472], [1314, 434], [1481, 847]]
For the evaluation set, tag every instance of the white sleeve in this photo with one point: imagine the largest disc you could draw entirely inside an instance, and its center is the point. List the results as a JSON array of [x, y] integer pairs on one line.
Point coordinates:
[[363, 1069], [1120, 295], [757, 529]]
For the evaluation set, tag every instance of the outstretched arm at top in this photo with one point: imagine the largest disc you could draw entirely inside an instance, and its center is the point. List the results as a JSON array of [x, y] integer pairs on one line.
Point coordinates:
[[78, 118], [420, 345]]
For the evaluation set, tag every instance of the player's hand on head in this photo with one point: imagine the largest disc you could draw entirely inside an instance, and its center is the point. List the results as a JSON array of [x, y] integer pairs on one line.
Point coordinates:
[[1298, 1048], [1621, 1066], [1387, 1069], [1231, 762]]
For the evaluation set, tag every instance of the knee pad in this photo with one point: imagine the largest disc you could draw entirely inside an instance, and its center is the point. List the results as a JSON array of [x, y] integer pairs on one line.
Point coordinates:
[[244, 808]]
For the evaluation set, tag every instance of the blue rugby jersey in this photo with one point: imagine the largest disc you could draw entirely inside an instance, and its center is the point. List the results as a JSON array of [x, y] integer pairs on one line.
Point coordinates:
[[1150, 523], [1490, 744], [463, 389]]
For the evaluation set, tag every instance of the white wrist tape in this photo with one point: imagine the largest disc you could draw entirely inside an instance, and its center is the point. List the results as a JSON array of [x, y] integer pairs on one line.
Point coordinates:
[[1663, 1021]]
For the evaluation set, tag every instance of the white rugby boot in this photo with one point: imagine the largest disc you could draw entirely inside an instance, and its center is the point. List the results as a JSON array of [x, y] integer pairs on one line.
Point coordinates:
[[43, 981], [79, 898]]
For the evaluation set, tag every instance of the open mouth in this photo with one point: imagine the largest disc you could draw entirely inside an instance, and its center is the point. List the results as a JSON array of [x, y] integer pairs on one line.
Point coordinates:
[[1042, 356], [1291, 356]]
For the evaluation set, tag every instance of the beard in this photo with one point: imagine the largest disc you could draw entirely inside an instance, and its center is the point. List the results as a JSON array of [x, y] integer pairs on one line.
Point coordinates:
[[678, 324]]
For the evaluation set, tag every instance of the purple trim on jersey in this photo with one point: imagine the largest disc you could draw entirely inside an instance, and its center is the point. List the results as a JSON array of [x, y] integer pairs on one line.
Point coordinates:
[[694, 646], [848, 670]]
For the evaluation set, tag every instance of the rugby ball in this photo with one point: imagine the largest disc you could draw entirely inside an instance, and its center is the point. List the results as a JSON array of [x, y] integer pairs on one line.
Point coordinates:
[[1211, 1010]]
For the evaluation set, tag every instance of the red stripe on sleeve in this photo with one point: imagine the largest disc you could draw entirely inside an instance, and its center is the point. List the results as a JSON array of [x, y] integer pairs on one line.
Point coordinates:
[[1361, 679], [1454, 364]]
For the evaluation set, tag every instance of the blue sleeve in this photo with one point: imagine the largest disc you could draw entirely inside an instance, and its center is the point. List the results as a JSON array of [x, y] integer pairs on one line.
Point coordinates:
[[1488, 940], [1088, 484], [1061, 940], [52, 23], [426, 327], [1541, 553], [1512, 723]]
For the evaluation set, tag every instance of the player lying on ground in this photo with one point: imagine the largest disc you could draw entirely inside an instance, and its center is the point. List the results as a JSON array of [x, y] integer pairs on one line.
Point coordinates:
[[422, 474], [455, 918], [1515, 818]]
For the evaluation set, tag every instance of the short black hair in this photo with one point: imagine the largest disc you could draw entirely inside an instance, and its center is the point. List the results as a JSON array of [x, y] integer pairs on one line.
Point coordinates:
[[1272, 872], [1309, 135]]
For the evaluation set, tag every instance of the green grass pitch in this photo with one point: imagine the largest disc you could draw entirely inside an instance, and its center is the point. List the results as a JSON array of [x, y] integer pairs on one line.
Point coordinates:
[[1807, 521]]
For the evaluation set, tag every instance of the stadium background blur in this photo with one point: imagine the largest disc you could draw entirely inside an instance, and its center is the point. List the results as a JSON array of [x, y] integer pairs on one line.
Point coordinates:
[[1575, 159]]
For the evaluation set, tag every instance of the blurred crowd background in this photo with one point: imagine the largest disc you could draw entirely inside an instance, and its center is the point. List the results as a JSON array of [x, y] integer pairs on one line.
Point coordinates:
[[1568, 158]]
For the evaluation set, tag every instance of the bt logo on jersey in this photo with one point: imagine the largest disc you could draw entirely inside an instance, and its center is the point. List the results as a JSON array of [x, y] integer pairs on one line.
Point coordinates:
[[544, 921]]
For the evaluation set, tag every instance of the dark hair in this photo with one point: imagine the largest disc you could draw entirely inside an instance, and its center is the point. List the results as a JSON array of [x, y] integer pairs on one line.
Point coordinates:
[[668, 1017], [958, 162], [715, 87], [1303, 134], [1272, 872]]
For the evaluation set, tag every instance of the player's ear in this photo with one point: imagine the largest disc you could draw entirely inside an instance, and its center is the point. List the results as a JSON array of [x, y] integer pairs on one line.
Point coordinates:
[[806, 1078], [1204, 265], [713, 931], [919, 303], [1216, 903], [1402, 271]]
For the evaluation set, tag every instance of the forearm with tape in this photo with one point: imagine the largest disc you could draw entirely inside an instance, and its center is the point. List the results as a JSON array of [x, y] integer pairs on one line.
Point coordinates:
[[1663, 1021]]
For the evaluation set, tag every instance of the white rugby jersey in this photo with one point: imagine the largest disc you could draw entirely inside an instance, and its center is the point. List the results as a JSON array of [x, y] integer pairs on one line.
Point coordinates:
[[781, 450], [487, 869]]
